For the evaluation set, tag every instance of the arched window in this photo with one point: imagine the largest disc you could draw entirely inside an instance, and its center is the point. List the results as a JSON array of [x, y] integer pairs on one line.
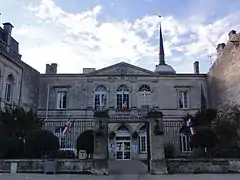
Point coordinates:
[[142, 139], [122, 98], [100, 97], [144, 96], [185, 141], [9, 88]]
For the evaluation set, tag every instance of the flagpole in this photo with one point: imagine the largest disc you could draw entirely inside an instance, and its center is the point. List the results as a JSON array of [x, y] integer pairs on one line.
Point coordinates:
[[60, 138], [48, 91]]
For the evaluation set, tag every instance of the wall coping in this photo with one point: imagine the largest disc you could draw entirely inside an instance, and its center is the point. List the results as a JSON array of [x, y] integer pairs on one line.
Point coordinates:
[[202, 159]]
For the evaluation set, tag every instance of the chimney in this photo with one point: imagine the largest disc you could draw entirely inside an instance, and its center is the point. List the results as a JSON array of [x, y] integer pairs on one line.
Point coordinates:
[[48, 69], [54, 68], [51, 69], [231, 34], [196, 67], [220, 48], [88, 70], [7, 29]]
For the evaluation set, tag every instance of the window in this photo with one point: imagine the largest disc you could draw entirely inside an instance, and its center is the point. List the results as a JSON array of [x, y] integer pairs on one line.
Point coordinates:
[[9, 88], [100, 97], [183, 99], [61, 99], [122, 98], [144, 96], [185, 143], [142, 139], [142, 144]]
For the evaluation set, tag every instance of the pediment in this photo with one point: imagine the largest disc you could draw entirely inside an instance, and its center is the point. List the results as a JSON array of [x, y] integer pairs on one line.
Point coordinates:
[[122, 69]]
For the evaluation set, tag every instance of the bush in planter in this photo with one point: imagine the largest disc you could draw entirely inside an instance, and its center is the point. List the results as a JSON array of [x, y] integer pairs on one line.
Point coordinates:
[[41, 142], [11, 148], [85, 141]]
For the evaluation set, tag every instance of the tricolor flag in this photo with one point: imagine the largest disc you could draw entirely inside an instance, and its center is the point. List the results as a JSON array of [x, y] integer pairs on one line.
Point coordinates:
[[124, 103], [67, 127], [191, 128]]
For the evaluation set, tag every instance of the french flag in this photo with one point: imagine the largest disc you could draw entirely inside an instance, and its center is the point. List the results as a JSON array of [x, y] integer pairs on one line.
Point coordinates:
[[191, 128], [67, 127], [124, 104]]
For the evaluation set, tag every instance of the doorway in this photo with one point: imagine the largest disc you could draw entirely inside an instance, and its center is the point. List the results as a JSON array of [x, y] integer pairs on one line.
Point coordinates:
[[123, 148]]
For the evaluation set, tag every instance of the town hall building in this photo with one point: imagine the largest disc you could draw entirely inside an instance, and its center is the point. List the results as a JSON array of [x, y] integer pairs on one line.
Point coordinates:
[[126, 92]]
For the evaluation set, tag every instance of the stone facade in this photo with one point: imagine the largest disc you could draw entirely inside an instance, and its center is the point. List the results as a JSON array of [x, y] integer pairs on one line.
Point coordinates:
[[24, 79], [126, 92], [223, 77]]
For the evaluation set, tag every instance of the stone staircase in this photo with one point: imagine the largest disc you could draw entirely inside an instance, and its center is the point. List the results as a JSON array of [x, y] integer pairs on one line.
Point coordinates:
[[127, 167]]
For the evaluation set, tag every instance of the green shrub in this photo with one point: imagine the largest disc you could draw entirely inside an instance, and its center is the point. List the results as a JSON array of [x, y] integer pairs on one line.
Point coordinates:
[[40, 143], [11, 148], [85, 141]]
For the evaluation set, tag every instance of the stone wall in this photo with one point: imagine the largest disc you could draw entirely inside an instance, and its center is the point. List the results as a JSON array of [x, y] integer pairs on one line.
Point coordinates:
[[223, 76], [62, 166], [176, 166]]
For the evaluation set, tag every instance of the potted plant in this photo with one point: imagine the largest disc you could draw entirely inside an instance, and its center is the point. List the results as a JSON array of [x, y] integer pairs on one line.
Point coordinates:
[[135, 135], [112, 135], [157, 129]]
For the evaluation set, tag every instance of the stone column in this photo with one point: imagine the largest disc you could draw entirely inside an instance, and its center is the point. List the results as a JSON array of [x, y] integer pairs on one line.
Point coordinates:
[[157, 155], [100, 155]]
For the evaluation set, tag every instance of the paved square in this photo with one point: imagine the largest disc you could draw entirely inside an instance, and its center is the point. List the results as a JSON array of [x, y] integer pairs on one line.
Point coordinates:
[[120, 177]]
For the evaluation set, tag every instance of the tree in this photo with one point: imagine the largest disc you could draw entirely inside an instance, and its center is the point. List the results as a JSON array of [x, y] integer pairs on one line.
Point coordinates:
[[41, 142], [17, 122], [204, 139], [11, 148], [85, 141], [226, 127]]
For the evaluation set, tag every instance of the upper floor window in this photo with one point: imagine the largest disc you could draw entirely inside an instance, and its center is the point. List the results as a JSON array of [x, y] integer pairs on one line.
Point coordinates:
[[61, 99], [122, 98], [100, 97], [144, 96], [9, 88], [183, 97]]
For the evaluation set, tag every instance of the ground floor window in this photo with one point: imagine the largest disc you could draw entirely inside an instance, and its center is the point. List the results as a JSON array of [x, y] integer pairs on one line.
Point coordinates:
[[185, 143], [142, 143]]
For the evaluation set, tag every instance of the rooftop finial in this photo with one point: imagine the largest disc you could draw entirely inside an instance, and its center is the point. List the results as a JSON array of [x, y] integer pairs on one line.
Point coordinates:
[[161, 48]]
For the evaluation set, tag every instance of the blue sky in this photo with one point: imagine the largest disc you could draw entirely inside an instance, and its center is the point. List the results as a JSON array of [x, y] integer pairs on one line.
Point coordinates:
[[98, 33]]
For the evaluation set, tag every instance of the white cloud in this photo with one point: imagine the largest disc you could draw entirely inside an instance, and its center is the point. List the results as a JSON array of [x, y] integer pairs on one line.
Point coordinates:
[[77, 40]]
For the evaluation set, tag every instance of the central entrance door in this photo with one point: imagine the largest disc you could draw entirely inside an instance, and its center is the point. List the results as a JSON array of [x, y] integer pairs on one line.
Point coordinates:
[[123, 148]]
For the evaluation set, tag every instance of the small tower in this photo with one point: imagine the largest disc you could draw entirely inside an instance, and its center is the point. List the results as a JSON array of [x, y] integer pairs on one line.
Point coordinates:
[[162, 67]]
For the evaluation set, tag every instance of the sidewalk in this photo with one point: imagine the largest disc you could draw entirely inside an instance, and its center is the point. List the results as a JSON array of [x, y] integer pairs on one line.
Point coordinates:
[[120, 177]]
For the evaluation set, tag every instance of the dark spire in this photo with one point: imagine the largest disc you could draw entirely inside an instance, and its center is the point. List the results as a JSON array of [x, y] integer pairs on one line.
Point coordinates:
[[161, 48]]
